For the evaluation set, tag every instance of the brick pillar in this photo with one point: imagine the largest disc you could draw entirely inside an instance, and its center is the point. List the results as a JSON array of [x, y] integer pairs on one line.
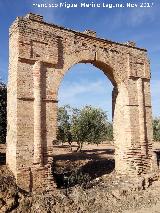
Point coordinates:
[[122, 130], [142, 131], [114, 96], [38, 156]]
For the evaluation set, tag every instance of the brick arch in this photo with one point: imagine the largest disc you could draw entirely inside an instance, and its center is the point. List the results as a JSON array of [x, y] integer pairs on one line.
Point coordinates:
[[39, 56], [106, 69]]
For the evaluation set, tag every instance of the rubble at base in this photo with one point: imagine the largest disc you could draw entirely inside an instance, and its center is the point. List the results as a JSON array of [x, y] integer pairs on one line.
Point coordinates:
[[104, 194]]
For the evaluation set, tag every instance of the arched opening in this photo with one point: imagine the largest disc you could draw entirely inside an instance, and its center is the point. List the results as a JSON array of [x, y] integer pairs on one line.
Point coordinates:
[[85, 84]]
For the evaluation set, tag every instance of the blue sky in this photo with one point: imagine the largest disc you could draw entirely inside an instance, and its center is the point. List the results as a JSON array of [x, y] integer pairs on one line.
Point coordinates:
[[84, 84]]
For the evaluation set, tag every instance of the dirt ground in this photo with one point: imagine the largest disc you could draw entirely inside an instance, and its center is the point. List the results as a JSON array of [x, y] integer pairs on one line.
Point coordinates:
[[93, 161], [86, 183], [98, 163]]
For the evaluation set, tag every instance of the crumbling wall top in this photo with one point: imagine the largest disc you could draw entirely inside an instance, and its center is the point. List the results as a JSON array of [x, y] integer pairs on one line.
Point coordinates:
[[131, 43], [21, 22], [90, 32], [34, 17]]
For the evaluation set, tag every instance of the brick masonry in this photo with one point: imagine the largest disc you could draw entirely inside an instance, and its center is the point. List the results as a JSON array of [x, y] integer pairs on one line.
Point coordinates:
[[39, 56]]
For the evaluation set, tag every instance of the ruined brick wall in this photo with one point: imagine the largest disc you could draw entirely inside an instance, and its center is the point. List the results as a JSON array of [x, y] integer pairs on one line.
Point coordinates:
[[40, 55], [12, 103]]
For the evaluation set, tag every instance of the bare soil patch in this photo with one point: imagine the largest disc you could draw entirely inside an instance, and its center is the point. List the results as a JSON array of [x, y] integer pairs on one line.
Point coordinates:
[[92, 162], [98, 189]]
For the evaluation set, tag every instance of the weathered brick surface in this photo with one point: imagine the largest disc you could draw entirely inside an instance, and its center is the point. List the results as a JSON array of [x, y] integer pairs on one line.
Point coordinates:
[[40, 55]]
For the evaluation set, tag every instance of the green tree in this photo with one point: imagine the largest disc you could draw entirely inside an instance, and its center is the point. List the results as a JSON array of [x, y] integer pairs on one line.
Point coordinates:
[[3, 112], [156, 129], [64, 125], [89, 125], [109, 131]]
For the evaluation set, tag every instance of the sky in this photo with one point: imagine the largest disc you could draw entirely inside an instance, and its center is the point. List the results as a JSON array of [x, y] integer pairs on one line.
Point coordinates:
[[85, 84]]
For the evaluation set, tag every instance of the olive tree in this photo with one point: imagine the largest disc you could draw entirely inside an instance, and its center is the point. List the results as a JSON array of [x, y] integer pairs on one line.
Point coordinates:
[[3, 112], [156, 129], [89, 125], [64, 125]]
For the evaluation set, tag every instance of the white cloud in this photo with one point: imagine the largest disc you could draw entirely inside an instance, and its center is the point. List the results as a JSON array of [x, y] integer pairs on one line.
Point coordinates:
[[99, 94], [96, 93], [3, 69], [71, 90], [49, 14], [155, 92], [132, 17], [155, 88], [139, 15]]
